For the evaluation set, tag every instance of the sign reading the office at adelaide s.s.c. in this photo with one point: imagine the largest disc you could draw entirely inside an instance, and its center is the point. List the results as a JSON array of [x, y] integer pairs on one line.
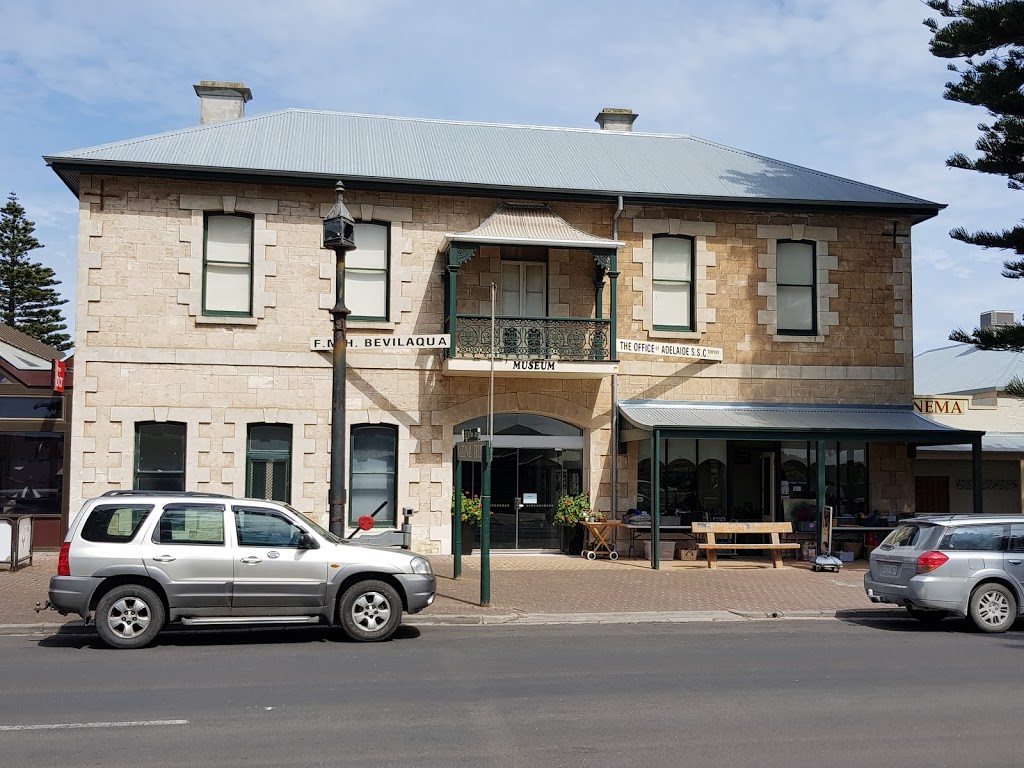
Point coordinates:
[[435, 341], [690, 351]]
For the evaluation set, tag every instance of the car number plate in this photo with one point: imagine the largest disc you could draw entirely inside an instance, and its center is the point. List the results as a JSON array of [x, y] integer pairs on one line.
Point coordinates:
[[890, 569]]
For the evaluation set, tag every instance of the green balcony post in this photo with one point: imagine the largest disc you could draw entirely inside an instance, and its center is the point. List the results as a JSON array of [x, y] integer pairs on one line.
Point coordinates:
[[453, 272]]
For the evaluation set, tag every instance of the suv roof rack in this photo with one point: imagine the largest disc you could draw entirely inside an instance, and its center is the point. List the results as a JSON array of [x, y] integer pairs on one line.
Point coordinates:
[[165, 493]]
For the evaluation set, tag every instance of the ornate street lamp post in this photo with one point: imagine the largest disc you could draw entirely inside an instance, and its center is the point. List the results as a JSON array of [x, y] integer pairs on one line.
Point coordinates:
[[339, 235]]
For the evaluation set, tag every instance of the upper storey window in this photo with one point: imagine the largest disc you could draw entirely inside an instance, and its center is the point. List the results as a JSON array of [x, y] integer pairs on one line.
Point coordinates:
[[796, 288], [366, 272], [227, 265], [673, 283]]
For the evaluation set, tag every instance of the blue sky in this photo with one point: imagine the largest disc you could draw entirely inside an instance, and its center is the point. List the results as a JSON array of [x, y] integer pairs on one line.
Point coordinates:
[[842, 86]]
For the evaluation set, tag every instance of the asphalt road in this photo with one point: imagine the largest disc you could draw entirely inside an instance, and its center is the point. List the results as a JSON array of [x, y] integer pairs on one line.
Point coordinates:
[[768, 693]]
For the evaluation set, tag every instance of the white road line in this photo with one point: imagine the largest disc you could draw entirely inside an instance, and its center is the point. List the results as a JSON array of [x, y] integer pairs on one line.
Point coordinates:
[[66, 726]]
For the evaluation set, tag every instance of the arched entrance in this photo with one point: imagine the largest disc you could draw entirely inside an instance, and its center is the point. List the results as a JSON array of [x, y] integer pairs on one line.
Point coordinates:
[[536, 460]]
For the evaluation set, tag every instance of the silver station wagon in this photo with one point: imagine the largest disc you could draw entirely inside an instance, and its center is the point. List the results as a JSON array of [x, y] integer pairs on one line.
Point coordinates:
[[970, 566], [139, 560]]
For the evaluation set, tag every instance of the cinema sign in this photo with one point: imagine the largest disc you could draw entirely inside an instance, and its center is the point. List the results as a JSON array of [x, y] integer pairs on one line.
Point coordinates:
[[945, 406]]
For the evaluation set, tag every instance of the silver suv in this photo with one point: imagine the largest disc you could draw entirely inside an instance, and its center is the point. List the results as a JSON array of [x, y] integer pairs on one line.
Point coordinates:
[[965, 565], [140, 559]]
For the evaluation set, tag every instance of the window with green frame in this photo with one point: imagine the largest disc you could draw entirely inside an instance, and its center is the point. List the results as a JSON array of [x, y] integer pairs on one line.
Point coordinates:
[[268, 460], [366, 272], [227, 265], [159, 456], [372, 473], [796, 288], [673, 283]]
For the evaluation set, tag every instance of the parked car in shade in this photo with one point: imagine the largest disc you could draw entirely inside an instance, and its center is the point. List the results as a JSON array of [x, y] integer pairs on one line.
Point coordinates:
[[140, 560], [970, 566]]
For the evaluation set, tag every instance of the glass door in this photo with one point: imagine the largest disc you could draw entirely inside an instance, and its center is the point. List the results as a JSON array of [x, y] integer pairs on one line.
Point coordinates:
[[504, 496]]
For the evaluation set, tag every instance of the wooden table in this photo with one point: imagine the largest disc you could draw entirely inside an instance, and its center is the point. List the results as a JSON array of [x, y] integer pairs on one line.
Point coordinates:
[[636, 530], [597, 543]]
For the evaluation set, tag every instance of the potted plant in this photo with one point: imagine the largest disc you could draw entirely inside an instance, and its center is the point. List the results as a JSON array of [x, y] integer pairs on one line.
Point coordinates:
[[470, 514], [570, 511]]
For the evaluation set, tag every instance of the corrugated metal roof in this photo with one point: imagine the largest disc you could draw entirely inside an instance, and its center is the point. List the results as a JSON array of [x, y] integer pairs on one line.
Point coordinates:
[[312, 144], [529, 224], [992, 442], [962, 368], [27, 343], [813, 418]]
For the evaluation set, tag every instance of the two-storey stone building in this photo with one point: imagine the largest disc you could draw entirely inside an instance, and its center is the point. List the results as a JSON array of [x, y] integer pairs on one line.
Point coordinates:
[[679, 323]]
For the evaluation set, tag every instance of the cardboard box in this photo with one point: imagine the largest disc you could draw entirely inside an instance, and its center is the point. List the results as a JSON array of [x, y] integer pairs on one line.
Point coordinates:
[[686, 554], [666, 550], [852, 546]]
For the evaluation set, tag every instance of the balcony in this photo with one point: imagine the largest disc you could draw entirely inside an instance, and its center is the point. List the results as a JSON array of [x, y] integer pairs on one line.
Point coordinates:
[[532, 338], [566, 347], [555, 319]]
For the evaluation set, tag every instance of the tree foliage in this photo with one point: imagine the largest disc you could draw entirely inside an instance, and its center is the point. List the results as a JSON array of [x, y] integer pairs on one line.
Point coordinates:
[[28, 297], [989, 36]]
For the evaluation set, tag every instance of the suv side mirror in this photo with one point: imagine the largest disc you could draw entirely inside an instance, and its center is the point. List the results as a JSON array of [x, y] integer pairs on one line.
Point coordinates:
[[306, 541]]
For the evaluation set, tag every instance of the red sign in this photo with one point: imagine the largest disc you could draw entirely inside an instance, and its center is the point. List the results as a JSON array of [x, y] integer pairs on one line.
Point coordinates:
[[58, 376]]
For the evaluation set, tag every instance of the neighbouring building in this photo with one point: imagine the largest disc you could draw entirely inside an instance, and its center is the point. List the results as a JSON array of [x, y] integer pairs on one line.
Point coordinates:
[[680, 324], [965, 387], [35, 445]]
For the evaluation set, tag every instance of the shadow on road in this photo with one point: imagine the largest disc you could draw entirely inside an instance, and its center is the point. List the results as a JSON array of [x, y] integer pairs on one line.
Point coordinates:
[[951, 626], [82, 637]]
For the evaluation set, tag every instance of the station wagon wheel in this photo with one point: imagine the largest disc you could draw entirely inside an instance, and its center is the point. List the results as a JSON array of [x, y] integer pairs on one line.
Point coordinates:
[[993, 608], [370, 611], [129, 616]]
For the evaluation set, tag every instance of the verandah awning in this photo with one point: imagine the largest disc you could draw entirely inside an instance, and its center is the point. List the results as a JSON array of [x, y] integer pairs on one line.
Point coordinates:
[[652, 419], [784, 421]]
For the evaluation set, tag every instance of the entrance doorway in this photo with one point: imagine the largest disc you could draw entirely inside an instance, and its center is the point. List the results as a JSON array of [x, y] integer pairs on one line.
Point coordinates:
[[536, 460]]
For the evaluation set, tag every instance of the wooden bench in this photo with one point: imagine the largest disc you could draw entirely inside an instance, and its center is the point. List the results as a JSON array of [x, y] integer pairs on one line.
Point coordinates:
[[772, 530]]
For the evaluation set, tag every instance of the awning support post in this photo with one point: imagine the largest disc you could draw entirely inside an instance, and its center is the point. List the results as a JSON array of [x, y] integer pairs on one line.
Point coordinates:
[[976, 474], [656, 500]]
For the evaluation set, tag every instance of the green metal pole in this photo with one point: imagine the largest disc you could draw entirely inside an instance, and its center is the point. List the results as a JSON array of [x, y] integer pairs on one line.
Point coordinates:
[[485, 529], [656, 501], [820, 448], [457, 520]]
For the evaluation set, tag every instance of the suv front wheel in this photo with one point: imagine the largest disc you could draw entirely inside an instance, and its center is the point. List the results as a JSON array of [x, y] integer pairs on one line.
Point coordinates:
[[993, 608], [370, 611], [129, 616]]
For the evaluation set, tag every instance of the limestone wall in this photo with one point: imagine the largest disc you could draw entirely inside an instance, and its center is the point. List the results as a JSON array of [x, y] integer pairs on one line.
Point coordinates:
[[145, 352]]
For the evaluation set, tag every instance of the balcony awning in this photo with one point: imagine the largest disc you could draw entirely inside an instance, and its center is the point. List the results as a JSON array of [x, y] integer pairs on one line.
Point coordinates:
[[789, 421], [529, 224]]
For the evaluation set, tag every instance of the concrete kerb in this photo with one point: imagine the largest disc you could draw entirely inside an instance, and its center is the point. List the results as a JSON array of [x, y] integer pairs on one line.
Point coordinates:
[[543, 619]]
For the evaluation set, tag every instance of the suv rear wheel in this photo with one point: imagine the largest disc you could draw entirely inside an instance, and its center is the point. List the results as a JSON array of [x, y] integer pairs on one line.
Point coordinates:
[[129, 616], [993, 608], [370, 611]]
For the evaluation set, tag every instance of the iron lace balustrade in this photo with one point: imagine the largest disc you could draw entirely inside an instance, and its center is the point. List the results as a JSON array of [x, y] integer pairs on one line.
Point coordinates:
[[532, 338]]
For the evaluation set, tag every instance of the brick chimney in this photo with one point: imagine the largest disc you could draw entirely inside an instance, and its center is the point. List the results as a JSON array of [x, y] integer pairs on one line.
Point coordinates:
[[616, 119], [220, 101]]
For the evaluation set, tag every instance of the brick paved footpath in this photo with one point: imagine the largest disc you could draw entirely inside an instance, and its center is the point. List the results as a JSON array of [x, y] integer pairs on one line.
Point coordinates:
[[562, 584]]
